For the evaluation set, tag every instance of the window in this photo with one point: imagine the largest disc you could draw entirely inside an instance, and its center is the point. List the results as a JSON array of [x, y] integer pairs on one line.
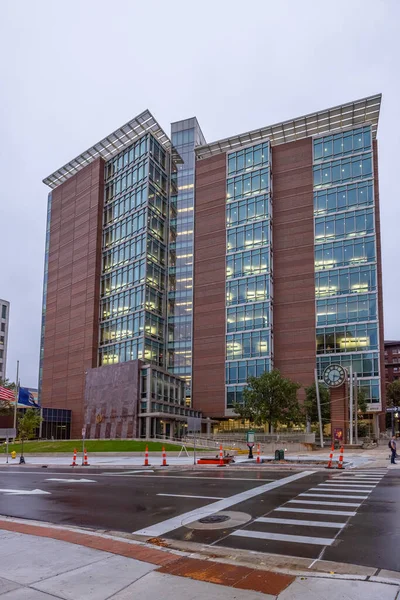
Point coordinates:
[[256, 182], [345, 281], [355, 195], [251, 262], [345, 169], [4, 311], [344, 253], [346, 225], [347, 309], [248, 236], [247, 209], [365, 364], [339, 144], [252, 316], [240, 371], [234, 394], [3, 327], [248, 158], [247, 345], [348, 338], [249, 289]]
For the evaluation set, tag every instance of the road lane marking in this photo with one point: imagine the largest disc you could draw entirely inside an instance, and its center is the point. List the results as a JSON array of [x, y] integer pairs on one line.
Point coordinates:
[[335, 496], [71, 480], [193, 515], [350, 486], [324, 502], [188, 496], [336, 491], [299, 522], [216, 478], [280, 537], [315, 511], [23, 492]]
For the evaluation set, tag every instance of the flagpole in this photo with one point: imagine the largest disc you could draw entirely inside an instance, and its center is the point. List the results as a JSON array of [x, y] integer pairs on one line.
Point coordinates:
[[17, 396]]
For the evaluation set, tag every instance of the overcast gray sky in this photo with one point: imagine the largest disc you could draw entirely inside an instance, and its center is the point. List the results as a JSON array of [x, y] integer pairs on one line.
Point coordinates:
[[72, 71]]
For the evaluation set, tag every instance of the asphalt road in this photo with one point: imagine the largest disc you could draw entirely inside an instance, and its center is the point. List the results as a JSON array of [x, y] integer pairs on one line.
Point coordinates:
[[351, 517]]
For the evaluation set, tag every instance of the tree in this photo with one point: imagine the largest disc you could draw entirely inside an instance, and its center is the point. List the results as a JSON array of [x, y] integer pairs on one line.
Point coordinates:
[[393, 393], [362, 403], [27, 425], [6, 406], [270, 399], [310, 404]]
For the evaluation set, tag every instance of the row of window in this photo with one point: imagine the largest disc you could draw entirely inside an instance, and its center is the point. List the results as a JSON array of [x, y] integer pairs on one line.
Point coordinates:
[[248, 236], [250, 289], [131, 225], [158, 201], [348, 338], [123, 277], [158, 177], [240, 371], [247, 345], [343, 197], [179, 332], [132, 201], [253, 183], [156, 250], [234, 395], [156, 225], [154, 326], [251, 262], [122, 352], [155, 275], [345, 142], [342, 254], [250, 158], [131, 300], [346, 309], [365, 365], [345, 281], [183, 137], [130, 155], [252, 316], [349, 224], [248, 209], [122, 303], [344, 169], [157, 152], [130, 250], [121, 183], [122, 328]]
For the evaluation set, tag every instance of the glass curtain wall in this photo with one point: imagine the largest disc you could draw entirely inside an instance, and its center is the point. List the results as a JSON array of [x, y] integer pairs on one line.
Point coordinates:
[[248, 268], [44, 297], [133, 281], [185, 135], [345, 257]]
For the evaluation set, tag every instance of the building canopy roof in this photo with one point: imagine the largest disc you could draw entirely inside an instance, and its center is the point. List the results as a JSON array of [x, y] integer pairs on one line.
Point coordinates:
[[110, 146], [352, 114]]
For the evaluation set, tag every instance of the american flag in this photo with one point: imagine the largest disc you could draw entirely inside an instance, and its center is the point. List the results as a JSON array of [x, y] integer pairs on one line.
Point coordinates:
[[7, 395]]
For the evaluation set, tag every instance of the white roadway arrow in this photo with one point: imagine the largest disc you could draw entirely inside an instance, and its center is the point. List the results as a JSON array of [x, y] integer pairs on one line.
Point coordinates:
[[24, 492], [73, 480]]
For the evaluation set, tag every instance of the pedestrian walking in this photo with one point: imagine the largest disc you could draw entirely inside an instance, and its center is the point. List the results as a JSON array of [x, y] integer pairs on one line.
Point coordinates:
[[392, 446]]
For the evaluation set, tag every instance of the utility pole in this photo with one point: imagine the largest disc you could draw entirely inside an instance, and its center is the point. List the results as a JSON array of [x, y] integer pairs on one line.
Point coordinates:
[[17, 396], [356, 406], [351, 404], [321, 433]]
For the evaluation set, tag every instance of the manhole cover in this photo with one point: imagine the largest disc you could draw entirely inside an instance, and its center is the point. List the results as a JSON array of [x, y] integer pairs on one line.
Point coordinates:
[[214, 519]]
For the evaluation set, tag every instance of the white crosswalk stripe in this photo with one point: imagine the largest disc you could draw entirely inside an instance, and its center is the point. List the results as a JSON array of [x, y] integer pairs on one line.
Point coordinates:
[[324, 502], [334, 496], [300, 522], [315, 511], [281, 537]]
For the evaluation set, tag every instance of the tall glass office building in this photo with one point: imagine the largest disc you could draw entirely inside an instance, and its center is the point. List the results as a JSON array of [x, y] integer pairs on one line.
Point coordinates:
[[346, 279], [185, 135]]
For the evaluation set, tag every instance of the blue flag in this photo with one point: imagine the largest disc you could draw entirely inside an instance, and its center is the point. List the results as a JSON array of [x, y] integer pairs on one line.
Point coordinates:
[[27, 398]]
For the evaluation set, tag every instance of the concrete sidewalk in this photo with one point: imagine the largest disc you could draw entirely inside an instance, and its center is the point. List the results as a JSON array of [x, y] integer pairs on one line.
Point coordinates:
[[42, 562]]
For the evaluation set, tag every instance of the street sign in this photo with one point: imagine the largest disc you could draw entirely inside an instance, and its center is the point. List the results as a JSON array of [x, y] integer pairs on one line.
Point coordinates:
[[8, 432], [389, 410], [251, 436], [194, 424]]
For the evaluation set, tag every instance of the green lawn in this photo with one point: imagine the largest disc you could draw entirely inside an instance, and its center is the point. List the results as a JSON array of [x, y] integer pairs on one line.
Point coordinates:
[[91, 446]]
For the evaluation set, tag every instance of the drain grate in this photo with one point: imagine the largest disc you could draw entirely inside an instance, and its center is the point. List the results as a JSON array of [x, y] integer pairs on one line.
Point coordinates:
[[214, 519]]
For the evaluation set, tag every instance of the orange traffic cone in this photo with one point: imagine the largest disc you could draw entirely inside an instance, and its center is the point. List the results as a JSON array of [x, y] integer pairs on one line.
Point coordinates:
[[85, 459], [146, 457], [340, 463], [221, 456], [164, 458], [73, 464], [331, 458], [258, 454]]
